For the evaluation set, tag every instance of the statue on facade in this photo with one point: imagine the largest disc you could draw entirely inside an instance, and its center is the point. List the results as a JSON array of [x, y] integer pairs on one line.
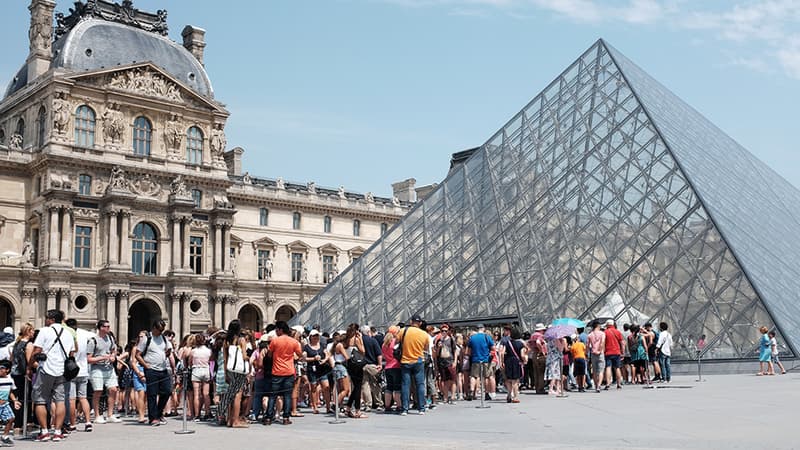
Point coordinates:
[[117, 180], [395, 201], [217, 142], [61, 114], [246, 178], [312, 187], [268, 268], [369, 197], [172, 133], [113, 123], [178, 188], [342, 195], [280, 184], [15, 142], [27, 253]]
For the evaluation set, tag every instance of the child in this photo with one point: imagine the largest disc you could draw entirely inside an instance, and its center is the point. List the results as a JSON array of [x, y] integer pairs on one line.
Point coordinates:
[[773, 345], [6, 413], [578, 350]]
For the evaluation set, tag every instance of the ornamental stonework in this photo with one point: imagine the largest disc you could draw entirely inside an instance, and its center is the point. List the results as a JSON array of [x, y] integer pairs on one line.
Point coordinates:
[[145, 82]]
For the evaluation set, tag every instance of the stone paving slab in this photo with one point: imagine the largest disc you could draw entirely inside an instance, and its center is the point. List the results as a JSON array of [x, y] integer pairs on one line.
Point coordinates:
[[725, 411]]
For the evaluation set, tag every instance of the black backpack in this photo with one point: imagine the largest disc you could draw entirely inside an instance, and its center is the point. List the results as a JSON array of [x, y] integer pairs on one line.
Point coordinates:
[[18, 362]]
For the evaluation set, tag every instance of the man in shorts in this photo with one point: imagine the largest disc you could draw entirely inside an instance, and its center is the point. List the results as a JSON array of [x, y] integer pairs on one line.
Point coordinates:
[[597, 347], [101, 352], [78, 386], [444, 352], [615, 343], [480, 347], [55, 343]]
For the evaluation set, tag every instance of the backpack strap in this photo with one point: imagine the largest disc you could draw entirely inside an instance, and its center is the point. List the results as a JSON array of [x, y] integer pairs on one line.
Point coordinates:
[[147, 344]]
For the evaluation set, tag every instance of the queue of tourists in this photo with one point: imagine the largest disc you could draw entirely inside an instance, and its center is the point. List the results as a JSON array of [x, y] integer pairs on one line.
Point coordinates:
[[66, 376]]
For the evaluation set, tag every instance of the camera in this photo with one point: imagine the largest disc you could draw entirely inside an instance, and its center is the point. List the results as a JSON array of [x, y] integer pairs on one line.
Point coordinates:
[[40, 357]]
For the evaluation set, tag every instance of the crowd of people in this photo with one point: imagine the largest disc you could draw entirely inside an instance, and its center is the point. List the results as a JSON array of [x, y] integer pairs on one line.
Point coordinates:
[[237, 377]]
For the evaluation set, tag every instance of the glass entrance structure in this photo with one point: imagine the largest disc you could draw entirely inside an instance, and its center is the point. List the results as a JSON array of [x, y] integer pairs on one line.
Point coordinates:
[[606, 196]]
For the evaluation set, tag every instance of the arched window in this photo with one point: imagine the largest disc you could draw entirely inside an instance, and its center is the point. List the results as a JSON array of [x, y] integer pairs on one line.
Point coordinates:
[[145, 249], [41, 126], [84, 126], [194, 146], [142, 136], [356, 227]]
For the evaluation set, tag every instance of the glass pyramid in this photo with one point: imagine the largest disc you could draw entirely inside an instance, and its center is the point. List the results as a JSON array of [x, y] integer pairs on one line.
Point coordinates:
[[606, 196]]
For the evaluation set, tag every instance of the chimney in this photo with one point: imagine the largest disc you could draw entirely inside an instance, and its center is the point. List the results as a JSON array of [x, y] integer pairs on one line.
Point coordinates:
[[40, 36], [194, 41], [404, 190], [233, 159]]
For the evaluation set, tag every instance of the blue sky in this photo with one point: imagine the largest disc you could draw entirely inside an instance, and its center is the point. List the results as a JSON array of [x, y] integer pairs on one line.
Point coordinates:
[[363, 93]]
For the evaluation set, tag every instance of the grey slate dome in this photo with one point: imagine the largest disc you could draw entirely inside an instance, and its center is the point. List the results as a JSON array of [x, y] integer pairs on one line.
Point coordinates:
[[94, 44]]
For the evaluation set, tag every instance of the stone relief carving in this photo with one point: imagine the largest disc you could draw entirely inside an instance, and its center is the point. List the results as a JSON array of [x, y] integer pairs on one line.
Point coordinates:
[[60, 181], [15, 142], [221, 201], [217, 142], [146, 187], [117, 181], [113, 123], [146, 82], [40, 34], [178, 188], [61, 114]]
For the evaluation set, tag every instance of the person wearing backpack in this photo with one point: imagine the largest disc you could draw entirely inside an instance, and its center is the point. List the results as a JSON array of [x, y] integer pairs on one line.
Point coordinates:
[[51, 349], [444, 354], [101, 353], [154, 353]]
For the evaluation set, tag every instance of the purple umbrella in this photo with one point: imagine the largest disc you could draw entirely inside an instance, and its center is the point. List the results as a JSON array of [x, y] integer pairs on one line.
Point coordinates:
[[559, 331]]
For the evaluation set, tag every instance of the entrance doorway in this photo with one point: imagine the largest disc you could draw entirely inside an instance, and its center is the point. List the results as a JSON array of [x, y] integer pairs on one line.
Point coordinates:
[[141, 316], [250, 317], [6, 313], [284, 313]]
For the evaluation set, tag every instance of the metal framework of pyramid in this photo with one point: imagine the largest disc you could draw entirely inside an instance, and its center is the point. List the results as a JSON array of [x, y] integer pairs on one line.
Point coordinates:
[[605, 196]]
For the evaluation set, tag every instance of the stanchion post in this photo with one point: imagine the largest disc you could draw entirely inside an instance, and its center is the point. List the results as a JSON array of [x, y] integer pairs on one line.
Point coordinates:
[[185, 376], [482, 381], [699, 369], [336, 419], [26, 399]]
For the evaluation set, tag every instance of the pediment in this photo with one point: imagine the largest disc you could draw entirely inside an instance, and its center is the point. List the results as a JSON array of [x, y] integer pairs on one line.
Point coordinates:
[[147, 80], [264, 242]]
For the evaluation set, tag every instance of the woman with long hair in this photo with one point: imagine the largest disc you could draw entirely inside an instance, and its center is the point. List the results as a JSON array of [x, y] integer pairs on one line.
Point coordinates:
[[354, 343], [220, 382], [139, 398], [317, 371], [19, 364], [237, 367], [199, 358], [391, 370], [340, 375]]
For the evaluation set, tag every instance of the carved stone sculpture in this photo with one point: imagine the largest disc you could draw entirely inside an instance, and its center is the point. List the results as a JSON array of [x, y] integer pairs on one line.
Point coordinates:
[[146, 187], [178, 188], [395, 201], [341, 192], [246, 178], [146, 82], [217, 141], [117, 180], [312, 187], [268, 268], [173, 135], [15, 142], [61, 114], [113, 123], [280, 184], [27, 252], [40, 34], [369, 197]]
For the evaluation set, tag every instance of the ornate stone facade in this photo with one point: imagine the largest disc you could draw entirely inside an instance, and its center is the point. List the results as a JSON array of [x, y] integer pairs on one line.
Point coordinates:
[[120, 199]]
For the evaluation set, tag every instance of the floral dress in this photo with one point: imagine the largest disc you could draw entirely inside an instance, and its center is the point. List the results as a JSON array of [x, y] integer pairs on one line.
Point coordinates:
[[552, 370]]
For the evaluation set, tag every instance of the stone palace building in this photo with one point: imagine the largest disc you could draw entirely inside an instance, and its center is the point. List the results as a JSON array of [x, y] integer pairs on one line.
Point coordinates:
[[120, 199]]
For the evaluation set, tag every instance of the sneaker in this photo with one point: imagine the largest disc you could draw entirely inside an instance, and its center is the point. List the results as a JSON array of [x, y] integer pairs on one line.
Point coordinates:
[[114, 419], [42, 437], [100, 419], [487, 397], [422, 413], [155, 423], [404, 413], [87, 427], [162, 421], [7, 440], [58, 437]]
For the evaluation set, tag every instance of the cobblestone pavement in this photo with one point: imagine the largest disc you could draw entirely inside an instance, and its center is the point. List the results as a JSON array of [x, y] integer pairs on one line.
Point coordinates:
[[725, 411]]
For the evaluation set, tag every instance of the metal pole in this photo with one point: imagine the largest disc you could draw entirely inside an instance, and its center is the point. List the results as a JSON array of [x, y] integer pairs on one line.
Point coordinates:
[[699, 370], [336, 419], [184, 430], [483, 393], [25, 400]]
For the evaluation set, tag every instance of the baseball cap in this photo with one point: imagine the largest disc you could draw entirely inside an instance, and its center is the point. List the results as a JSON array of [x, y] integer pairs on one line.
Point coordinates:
[[8, 330], [314, 333], [416, 318], [539, 327]]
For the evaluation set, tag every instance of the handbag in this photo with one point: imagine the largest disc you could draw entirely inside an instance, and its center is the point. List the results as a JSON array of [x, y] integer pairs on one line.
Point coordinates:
[[357, 357], [71, 368], [397, 352]]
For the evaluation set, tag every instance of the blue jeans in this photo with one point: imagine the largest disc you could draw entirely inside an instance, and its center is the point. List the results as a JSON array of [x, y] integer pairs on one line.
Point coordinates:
[[416, 370], [666, 367], [281, 386]]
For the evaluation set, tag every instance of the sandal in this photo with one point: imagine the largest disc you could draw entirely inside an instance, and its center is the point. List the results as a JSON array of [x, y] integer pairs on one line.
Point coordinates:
[[241, 425], [297, 415]]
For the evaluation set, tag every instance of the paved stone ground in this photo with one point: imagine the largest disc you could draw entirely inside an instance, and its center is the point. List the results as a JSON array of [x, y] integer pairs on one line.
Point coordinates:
[[725, 411]]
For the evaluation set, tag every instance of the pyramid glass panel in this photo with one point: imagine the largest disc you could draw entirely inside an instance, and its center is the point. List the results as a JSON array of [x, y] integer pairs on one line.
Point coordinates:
[[606, 196]]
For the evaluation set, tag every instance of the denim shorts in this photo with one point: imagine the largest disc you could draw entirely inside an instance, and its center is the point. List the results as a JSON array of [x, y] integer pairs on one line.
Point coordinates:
[[339, 371]]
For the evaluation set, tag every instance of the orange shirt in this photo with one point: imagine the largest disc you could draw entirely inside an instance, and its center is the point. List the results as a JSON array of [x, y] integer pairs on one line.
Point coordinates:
[[578, 350], [415, 342], [283, 349]]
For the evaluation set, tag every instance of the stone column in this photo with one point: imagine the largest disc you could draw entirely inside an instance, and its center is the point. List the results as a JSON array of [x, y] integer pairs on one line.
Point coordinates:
[[113, 244], [124, 238], [111, 310], [229, 302], [226, 247], [124, 306], [175, 316], [185, 250], [52, 249], [185, 300], [66, 235], [217, 248], [218, 311], [176, 244], [28, 303], [51, 298]]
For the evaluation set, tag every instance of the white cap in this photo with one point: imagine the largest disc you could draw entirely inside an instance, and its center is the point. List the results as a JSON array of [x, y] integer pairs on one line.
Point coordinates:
[[8, 330], [314, 333], [609, 322], [539, 327], [299, 329]]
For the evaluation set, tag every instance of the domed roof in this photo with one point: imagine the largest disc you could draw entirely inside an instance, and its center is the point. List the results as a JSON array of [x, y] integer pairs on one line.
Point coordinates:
[[94, 44]]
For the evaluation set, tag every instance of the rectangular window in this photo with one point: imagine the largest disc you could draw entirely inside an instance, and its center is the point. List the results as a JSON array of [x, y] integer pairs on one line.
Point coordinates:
[[296, 221], [356, 228], [264, 265], [384, 227], [197, 196], [35, 245], [328, 269], [196, 254], [83, 247], [263, 217], [326, 224], [84, 184], [297, 267]]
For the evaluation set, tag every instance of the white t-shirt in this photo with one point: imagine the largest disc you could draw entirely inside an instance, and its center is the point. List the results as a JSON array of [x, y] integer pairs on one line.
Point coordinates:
[[46, 340], [7, 351], [665, 343], [81, 354], [773, 344], [156, 354]]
